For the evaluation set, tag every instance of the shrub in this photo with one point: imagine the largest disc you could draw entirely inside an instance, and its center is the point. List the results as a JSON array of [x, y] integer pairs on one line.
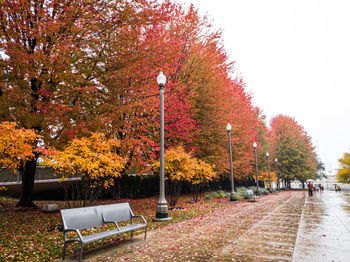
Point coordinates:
[[239, 197], [208, 195], [220, 194], [242, 191], [253, 188], [264, 191]]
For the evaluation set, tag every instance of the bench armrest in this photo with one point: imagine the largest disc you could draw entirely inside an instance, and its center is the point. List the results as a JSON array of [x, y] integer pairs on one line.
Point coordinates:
[[144, 220], [77, 231], [113, 222], [110, 222]]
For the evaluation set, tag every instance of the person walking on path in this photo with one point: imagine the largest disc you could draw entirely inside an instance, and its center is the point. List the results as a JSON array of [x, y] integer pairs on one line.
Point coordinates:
[[310, 188]]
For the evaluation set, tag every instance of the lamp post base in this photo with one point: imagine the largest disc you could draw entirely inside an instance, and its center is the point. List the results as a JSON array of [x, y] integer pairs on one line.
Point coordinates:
[[156, 219], [233, 197], [161, 213]]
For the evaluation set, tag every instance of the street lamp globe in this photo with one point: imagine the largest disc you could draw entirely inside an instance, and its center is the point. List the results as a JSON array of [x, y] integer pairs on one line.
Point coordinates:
[[228, 127], [267, 154], [254, 145], [161, 79], [276, 160]]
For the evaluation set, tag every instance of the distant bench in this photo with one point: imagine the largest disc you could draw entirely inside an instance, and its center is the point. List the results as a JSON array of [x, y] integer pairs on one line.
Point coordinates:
[[251, 196], [76, 219]]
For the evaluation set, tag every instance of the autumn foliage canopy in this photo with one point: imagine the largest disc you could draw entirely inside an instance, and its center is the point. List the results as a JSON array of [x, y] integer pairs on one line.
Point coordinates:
[[71, 68]]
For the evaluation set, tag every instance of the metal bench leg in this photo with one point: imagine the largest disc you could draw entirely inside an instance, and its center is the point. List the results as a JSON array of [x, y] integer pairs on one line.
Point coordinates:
[[132, 234], [81, 252], [145, 232], [64, 250]]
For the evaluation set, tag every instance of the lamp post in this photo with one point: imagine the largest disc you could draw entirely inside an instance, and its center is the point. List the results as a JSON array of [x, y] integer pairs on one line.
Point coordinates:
[[256, 169], [162, 206], [233, 196], [278, 179], [268, 170]]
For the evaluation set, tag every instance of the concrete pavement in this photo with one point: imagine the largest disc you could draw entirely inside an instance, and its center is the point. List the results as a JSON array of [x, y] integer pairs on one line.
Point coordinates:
[[324, 230]]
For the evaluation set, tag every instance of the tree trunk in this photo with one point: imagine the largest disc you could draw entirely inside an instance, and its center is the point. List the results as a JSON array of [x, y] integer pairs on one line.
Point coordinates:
[[28, 175], [303, 183]]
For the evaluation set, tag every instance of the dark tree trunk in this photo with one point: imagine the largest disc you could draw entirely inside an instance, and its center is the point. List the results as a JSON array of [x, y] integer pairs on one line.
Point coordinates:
[[28, 175], [303, 183]]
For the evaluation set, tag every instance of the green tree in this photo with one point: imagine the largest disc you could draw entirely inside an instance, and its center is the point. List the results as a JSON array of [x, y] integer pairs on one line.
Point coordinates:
[[291, 145]]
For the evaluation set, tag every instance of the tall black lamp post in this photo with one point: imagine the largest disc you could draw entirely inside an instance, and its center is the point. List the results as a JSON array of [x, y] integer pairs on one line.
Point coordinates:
[[233, 196], [256, 168], [268, 170], [278, 179], [162, 206]]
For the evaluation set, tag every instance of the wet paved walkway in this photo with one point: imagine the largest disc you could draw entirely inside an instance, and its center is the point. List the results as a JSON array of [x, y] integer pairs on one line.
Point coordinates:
[[247, 231], [280, 227], [324, 231]]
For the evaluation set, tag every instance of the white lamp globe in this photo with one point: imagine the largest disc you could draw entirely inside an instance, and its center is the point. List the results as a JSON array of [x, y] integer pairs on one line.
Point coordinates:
[[161, 79]]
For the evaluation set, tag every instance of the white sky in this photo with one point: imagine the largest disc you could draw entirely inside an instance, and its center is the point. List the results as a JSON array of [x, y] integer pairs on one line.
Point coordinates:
[[294, 56]]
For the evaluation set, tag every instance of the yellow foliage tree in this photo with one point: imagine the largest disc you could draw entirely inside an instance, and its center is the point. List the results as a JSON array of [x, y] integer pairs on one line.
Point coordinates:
[[17, 145], [92, 158], [203, 172], [343, 174], [179, 166], [264, 176]]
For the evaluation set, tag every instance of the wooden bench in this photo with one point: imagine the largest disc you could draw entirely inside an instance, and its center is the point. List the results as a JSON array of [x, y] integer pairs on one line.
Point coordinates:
[[251, 196], [77, 219]]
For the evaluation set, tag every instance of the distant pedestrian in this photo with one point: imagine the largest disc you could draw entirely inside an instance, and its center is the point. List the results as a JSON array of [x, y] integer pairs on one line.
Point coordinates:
[[336, 188], [310, 189], [320, 187]]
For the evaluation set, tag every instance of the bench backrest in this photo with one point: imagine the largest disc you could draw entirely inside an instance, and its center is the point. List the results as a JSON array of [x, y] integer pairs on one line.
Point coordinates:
[[250, 192], [88, 217], [116, 212], [81, 218]]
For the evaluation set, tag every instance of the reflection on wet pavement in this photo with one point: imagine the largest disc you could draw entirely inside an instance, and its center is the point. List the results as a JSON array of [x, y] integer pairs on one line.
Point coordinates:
[[324, 231]]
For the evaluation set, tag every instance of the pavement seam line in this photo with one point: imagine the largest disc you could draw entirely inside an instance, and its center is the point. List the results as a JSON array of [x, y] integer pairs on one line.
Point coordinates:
[[299, 228]]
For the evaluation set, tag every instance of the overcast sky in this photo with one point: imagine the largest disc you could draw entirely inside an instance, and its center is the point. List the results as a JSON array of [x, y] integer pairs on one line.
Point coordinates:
[[295, 58]]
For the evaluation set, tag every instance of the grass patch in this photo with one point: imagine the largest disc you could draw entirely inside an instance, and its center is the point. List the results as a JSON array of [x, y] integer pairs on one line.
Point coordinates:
[[34, 236]]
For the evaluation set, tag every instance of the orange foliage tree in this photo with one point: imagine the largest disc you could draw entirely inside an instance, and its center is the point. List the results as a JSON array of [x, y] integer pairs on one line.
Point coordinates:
[[17, 145], [93, 65], [94, 159], [56, 59]]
